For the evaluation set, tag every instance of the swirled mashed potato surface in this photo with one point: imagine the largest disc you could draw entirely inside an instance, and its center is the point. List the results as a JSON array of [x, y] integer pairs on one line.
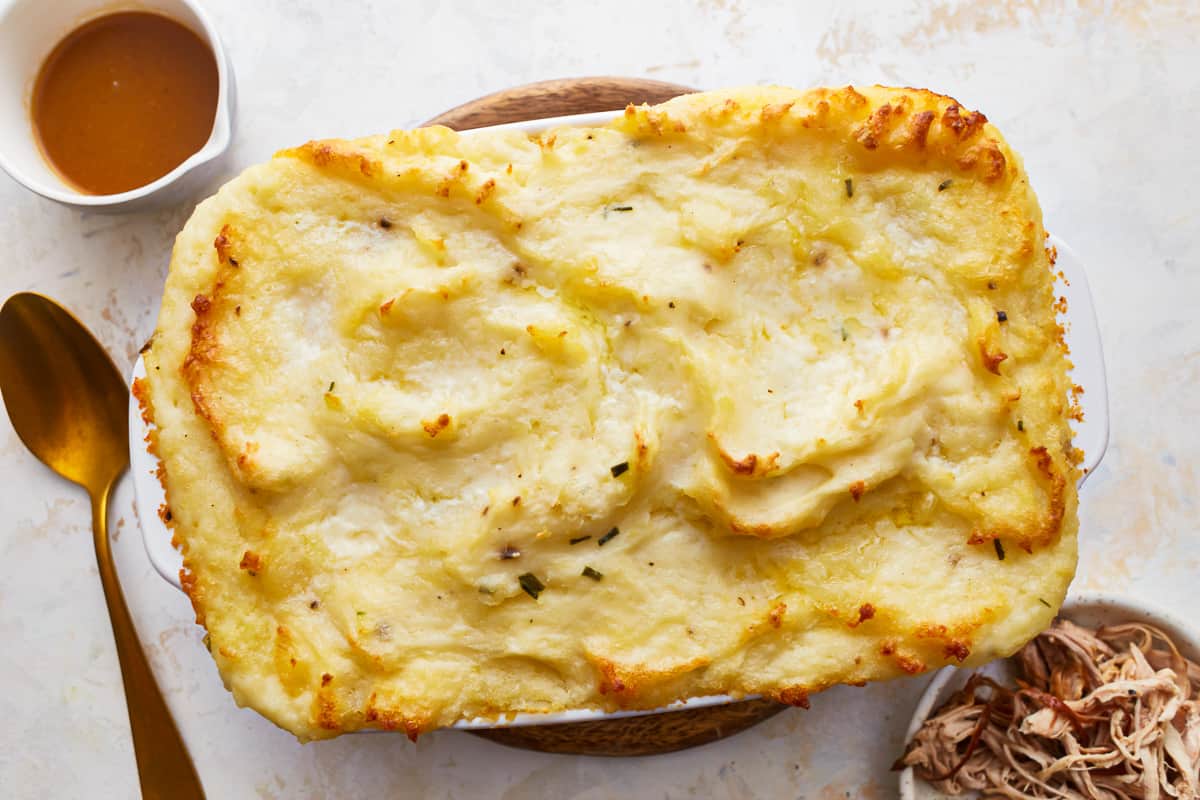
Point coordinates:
[[778, 370]]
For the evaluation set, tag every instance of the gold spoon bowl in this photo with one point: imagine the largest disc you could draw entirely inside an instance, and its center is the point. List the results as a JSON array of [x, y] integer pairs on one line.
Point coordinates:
[[67, 402]]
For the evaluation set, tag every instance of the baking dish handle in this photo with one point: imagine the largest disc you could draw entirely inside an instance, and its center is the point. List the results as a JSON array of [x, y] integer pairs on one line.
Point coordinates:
[[1087, 354]]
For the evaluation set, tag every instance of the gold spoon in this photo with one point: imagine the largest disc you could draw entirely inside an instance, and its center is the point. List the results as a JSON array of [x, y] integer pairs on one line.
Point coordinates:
[[68, 404]]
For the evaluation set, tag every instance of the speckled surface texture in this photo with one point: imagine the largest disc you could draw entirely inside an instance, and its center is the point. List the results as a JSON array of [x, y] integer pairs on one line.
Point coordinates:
[[1101, 99]]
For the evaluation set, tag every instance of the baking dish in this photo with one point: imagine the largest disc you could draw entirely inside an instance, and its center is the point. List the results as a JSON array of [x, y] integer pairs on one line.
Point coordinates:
[[1082, 337]]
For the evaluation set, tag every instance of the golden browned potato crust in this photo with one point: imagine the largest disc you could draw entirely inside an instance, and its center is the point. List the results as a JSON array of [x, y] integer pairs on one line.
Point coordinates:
[[755, 391]]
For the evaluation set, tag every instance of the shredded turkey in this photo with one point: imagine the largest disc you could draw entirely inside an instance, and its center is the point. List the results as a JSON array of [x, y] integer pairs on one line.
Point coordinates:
[[1107, 714]]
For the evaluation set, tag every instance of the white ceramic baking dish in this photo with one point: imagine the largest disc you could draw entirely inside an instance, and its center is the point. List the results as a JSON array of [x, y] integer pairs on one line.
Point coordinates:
[[1091, 435]]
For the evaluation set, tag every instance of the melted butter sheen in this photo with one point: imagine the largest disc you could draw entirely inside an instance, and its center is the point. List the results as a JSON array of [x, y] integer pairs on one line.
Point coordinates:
[[123, 100], [394, 377]]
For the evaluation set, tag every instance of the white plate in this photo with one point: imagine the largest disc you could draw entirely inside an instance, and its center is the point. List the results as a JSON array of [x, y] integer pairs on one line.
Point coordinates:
[[1091, 609], [1083, 337]]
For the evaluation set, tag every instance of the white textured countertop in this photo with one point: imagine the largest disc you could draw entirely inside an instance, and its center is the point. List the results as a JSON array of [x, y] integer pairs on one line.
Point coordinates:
[[1101, 97]]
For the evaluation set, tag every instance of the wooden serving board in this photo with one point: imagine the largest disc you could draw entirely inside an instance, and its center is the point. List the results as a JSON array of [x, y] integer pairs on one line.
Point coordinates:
[[555, 99], [631, 736]]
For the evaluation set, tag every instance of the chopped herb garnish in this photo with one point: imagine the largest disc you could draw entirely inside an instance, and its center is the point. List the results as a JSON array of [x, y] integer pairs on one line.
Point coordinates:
[[620, 469], [509, 552], [849, 187], [944, 185], [315, 604], [595, 575], [608, 537], [384, 222], [361, 613], [1021, 425], [331, 385], [208, 642], [999, 549], [1001, 316], [530, 583], [1043, 602], [621, 208], [579, 539], [845, 335]]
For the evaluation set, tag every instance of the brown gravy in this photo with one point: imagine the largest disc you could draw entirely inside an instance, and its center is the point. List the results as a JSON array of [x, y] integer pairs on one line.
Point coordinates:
[[123, 100]]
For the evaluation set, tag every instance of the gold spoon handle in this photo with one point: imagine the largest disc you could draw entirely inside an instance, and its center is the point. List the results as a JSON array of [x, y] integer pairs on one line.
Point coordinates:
[[164, 768]]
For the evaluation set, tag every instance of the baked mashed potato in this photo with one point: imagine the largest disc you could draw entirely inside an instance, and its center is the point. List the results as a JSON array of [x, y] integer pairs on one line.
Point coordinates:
[[755, 391]]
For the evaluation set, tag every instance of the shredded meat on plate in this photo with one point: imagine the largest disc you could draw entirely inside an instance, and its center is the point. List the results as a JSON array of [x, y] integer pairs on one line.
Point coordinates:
[[1111, 714]]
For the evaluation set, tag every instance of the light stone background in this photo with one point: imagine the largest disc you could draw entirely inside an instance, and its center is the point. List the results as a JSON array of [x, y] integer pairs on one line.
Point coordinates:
[[1103, 100]]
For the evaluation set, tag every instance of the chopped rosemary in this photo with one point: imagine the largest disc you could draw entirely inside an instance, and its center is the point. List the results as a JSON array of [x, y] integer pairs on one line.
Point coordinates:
[[620, 469], [579, 539], [361, 613], [331, 385], [530, 583], [1021, 425], [1043, 602], [608, 537], [999, 549], [620, 208], [595, 575], [849, 187], [845, 335], [944, 185]]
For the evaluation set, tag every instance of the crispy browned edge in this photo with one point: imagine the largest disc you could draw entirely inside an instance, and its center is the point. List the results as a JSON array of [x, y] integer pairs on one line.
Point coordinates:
[[941, 128]]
